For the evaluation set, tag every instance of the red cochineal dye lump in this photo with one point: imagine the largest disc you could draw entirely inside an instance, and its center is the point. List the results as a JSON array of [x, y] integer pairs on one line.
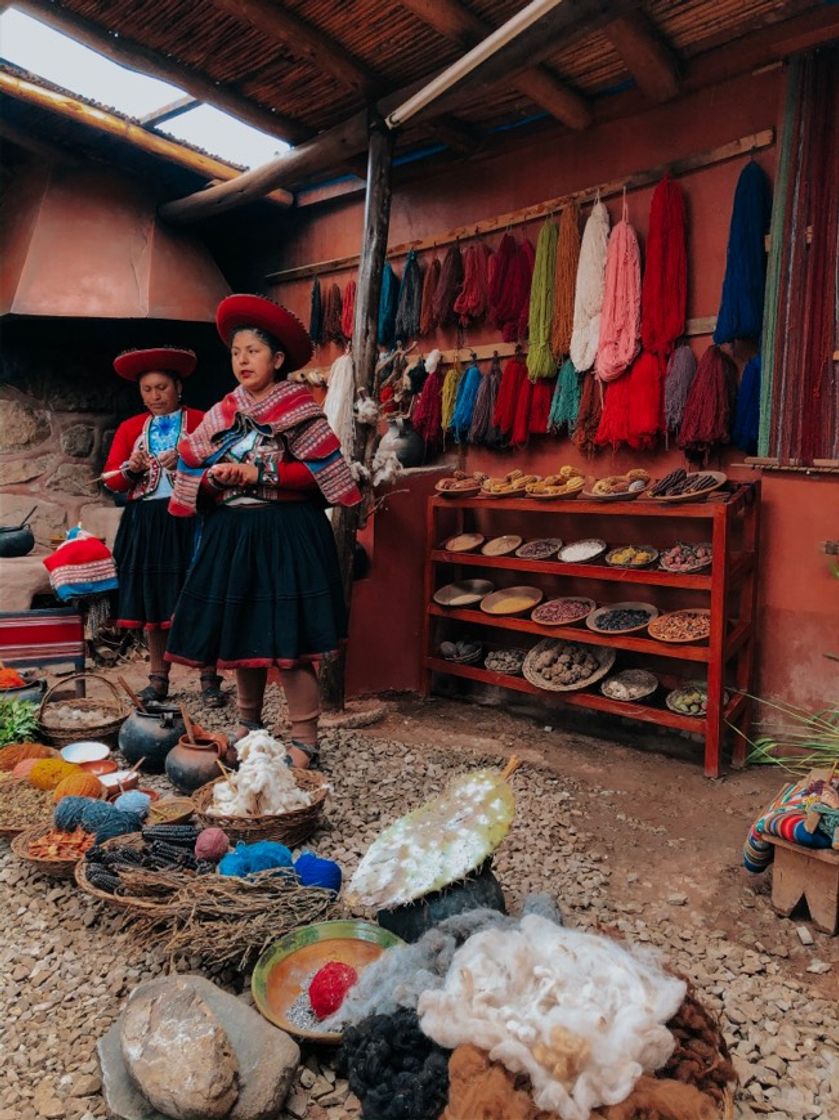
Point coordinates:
[[329, 986]]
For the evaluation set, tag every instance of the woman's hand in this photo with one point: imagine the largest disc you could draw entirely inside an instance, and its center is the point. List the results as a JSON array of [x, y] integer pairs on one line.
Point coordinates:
[[138, 463], [234, 474], [168, 459]]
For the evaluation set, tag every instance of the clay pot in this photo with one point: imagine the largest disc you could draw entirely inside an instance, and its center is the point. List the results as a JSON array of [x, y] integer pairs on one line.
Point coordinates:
[[151, 735], [404, 442], [17, 540], [190, 766]]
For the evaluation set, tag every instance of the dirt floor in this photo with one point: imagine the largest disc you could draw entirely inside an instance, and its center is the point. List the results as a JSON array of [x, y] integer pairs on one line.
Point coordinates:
[[627, 837]]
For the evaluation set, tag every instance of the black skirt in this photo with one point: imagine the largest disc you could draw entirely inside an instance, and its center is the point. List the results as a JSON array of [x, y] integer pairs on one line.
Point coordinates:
[[153, 551], [265, 590]]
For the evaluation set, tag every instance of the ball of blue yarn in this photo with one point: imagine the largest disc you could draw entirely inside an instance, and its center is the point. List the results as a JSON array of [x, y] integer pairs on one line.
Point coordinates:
[[246, 859], [68, 812], [312, 871], [119, 823], [95, 815], [133, 801]]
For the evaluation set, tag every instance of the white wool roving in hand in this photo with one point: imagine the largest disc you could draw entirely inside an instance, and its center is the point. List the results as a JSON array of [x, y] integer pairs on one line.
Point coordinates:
[[338, 403], [588, 294], [582, 1015], [263, 784]]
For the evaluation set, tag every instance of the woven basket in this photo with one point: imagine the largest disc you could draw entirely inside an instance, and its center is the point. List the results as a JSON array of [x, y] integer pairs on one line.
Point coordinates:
[[104, 732], [290, 829], [136, 903], [55, 868], [604, 655]]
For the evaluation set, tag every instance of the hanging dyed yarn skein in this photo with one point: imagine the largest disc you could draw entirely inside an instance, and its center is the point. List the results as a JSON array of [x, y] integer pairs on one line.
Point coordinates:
[[588, 416], [588, 294], [427, 413], [566, 400], [540, 359], [386, 333], [348, 310], [744, 430], [316, 313], [515, 373], [448, 286], [741, 307], [471, 304], [540, 406], [710, 405], [450, 387], [464, 408], [664, 291], [482, 430], [681, 370], [338, 403], [565, 280], [430, 280], [409, 301], [332, 306], [620, 320]]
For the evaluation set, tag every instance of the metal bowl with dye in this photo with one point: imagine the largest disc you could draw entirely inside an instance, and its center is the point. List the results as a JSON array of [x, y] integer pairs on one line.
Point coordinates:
[[286, 967]]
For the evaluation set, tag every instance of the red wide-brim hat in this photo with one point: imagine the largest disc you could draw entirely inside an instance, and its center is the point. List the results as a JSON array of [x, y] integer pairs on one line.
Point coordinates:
[[256, 311], [132, 364]]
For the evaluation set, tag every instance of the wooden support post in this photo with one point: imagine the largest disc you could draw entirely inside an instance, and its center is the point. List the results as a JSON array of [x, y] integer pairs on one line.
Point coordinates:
[[345, 522]]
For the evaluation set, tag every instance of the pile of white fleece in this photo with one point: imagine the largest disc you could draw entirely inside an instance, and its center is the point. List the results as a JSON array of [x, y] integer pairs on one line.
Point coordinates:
[[582, 1015], [263, 785]]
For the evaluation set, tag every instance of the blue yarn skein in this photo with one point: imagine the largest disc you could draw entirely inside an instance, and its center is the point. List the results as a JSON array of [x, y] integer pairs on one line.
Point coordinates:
[[119, 823], [69, 810], [312, 871], [133, 801], [95, 815], [246, 859]]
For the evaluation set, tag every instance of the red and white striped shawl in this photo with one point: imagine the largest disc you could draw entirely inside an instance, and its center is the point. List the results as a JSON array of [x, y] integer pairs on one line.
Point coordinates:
[[291, 412]]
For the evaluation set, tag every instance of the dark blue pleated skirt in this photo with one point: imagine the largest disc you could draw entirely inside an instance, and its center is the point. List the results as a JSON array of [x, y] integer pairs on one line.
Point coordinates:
[[265, 590], [153, 552]]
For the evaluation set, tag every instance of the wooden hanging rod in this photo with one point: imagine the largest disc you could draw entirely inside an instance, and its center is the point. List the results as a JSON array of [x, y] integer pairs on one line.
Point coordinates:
[[754, 142]]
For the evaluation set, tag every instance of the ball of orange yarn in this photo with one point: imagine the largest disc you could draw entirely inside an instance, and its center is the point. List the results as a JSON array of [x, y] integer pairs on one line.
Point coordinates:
[[81, 784], [16, 752], [48, 772]]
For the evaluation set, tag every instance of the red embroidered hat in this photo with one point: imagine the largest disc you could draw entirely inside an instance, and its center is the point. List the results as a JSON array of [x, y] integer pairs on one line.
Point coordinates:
[[132, 364], [256, 311]]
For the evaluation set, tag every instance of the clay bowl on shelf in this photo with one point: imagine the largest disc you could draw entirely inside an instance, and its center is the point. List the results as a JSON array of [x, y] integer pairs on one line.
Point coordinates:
[[631, 556], [585, 551], [464, 488], [630, 685], [464, 542], [512, 600], [540, 549], [681, 627], [676, 560], [564, 611], [283, 972], [719, 479], [502, 546], [463, 593], [594, 619]]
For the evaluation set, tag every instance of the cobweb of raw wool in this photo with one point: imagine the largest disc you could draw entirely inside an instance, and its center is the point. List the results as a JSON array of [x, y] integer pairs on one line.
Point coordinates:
[[395, 1071], [400, 976]]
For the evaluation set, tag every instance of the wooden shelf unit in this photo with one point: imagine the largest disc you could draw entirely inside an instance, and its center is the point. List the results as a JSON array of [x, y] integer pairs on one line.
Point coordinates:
[[729, 586]]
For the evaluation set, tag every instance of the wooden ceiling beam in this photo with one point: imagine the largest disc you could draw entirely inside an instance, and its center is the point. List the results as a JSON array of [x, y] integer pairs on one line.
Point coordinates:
[[82, 112], [304, 41], [646, 54], [454, 21], [142, 60], [169, 112]]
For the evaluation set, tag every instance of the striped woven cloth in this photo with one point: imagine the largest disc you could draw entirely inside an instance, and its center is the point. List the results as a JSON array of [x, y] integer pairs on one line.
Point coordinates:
[[785, 817]]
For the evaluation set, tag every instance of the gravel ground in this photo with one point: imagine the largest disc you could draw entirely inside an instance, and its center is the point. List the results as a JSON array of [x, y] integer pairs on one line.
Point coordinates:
[[68, 966]]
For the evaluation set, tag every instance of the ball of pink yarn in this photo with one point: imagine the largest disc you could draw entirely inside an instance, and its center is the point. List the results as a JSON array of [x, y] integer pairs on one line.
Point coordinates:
[[23, 769], [211, 844]]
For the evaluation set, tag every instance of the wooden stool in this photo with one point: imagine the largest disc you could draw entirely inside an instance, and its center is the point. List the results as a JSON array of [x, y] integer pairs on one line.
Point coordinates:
[[808, 873]]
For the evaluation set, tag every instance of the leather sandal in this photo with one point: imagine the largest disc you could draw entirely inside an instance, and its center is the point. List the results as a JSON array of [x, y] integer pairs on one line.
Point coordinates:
[[153, 692], [311, 752], [211, 691]]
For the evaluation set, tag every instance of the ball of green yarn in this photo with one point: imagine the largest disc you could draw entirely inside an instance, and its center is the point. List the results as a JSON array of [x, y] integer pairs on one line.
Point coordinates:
[[69, 810], [95, 815], [119, 823]]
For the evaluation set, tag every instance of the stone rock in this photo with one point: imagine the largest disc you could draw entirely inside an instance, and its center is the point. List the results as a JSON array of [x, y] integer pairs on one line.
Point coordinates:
[[804, 935], [23, 470], [78, 440], [48, 520], [73, 478], [268, 1058], [101, 520], [21, 426], [178, 1053], [818, 967]]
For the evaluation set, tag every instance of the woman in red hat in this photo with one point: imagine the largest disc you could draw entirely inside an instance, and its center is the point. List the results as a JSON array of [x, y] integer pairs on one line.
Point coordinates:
[[152, 549], [265, 589]]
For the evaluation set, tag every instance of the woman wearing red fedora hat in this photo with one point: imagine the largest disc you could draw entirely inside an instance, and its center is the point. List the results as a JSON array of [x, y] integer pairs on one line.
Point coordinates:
[[265, 588], [152, 549]]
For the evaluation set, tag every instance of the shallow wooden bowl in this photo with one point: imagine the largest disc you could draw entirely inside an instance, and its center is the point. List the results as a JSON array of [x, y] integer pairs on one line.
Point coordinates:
[[592, 622], [519, 600], [463, 593]]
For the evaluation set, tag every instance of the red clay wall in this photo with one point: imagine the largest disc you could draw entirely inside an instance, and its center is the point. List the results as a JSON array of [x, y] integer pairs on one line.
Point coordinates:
[[799, 611]]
